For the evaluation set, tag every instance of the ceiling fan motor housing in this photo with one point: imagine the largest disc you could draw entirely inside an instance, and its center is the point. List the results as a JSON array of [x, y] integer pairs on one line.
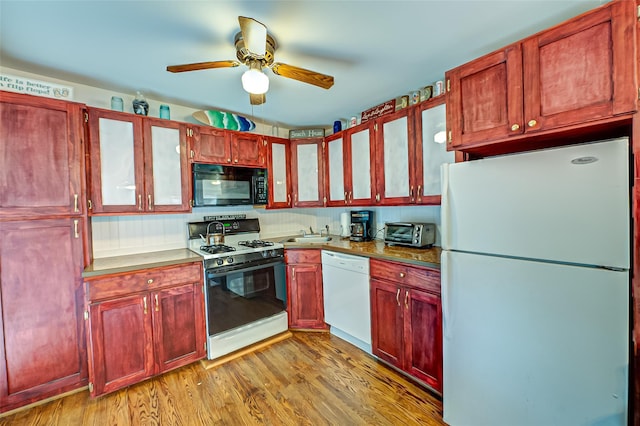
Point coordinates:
[[246, 57]]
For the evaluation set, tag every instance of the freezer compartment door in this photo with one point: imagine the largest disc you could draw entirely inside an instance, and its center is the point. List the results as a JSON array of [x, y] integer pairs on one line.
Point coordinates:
[[532, 343], [567, 204]]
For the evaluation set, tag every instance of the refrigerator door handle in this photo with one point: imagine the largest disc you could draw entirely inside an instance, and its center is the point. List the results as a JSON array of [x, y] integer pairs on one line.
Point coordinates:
[[445, 282], [444, 206]]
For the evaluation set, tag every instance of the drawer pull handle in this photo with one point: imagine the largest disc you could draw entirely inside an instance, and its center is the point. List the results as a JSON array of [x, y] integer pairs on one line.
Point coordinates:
[[150, 281], [398, 297], [75, 203], [144, 301], [402, 274]]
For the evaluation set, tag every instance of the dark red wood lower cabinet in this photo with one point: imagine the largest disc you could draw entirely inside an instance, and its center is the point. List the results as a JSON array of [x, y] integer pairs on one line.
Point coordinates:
[[406, 320], [305, 302], [42, 345], [136, 336]]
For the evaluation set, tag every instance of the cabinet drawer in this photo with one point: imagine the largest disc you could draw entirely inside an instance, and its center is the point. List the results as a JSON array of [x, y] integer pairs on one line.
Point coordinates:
[[302, 256], [401, 273], [115, 285]]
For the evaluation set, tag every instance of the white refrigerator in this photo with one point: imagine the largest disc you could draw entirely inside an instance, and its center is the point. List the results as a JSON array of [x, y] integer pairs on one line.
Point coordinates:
[[535, 287]]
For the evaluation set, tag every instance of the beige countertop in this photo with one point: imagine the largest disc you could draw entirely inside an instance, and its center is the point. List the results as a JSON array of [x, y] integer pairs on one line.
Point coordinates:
[[133, 262], [429, 257]]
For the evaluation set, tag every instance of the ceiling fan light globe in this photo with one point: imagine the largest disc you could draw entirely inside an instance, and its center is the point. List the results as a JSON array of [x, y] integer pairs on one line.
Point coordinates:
[[255, 81]]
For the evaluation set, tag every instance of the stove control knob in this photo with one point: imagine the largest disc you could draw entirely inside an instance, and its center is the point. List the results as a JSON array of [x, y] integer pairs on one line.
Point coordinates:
[[229, 259], [220, 261], [265, 253]]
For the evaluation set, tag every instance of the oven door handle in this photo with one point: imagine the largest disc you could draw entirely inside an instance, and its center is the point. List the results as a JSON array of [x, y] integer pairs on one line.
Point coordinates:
[[219, 272]]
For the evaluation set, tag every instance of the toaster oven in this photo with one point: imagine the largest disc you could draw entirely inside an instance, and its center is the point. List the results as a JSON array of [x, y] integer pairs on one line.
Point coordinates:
[[410, 234]]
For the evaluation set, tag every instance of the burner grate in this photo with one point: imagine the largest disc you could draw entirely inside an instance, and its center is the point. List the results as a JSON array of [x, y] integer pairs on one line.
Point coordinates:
[[255, 243], [216, 248]]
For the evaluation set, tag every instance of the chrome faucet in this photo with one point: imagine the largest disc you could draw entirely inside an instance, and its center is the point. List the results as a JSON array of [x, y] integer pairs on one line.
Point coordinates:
[[326, 229], [303, 232]]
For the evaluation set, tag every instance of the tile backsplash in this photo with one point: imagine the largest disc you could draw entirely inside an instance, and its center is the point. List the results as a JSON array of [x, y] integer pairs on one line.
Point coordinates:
[[121, 235]]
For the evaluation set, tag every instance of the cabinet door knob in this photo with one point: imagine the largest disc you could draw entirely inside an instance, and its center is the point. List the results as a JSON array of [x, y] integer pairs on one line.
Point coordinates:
[[402, 274], [235, 161], [532, 123], [515, 127]]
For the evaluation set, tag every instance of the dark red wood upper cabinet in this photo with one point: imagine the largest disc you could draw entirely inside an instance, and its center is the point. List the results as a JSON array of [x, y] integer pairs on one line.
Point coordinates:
[[42, 161], [211, 145], [580, 71], [248, 149], [219, 146], [485, 98], [574, 74]]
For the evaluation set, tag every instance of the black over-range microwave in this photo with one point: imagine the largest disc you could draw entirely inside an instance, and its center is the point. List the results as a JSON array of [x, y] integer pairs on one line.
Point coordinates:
[[215, 185]]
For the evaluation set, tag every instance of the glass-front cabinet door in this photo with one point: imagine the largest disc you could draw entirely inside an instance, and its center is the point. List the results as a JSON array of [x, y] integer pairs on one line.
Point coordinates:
[[393, 133], [431, 151], [278, 159], [116, 158], [137, 164], [360, 176], [307, 173], [335, 170], [166, 166]]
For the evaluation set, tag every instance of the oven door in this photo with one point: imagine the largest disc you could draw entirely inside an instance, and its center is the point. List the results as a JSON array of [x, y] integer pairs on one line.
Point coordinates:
[[237, 296]]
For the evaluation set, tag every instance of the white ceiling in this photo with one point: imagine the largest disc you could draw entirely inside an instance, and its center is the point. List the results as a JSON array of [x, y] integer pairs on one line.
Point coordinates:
[[376, 50]]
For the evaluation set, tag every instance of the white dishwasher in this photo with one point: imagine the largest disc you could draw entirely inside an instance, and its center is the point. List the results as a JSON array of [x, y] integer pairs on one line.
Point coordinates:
[[345, 283]]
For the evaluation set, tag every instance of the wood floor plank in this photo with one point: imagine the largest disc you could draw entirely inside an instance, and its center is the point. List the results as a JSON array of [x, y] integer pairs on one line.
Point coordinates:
[[308, 379]]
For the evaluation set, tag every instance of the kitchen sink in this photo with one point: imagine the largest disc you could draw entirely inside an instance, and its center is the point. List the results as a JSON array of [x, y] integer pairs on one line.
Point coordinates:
[[309, 239]]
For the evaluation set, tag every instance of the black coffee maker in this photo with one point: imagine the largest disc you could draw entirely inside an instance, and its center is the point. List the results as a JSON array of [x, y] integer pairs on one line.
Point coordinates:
[[362, 225]]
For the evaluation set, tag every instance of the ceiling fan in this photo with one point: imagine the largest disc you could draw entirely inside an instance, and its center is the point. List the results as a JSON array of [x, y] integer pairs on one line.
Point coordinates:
[[255, 48]]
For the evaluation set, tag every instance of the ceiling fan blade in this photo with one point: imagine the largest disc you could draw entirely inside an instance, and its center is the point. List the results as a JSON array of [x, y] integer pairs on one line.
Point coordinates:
[[202, 66], [254, 34], [257, 99], [303, 75]]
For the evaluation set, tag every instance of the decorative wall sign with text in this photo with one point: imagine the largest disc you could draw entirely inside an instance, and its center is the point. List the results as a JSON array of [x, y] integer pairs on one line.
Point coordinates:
[[30, 86]]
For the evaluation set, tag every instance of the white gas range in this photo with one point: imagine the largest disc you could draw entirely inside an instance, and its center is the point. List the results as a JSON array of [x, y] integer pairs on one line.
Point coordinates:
[[245, 284]]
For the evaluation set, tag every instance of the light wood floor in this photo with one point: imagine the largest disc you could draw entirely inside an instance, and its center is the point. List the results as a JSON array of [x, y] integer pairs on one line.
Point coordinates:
[[308, 379]]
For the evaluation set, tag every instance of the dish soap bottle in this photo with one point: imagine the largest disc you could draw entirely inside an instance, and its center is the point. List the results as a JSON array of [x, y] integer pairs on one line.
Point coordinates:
[[140, 104]]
